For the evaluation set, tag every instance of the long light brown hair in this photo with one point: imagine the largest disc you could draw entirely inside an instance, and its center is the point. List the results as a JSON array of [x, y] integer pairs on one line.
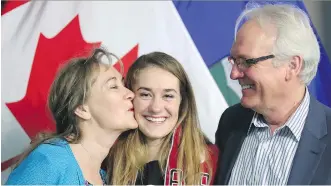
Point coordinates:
[[70, 89], [193, 143]]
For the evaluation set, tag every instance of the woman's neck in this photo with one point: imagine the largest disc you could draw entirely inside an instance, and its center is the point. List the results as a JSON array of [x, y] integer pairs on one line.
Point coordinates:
[[98, 146], [92, 148], [96, 142], [154, 147]]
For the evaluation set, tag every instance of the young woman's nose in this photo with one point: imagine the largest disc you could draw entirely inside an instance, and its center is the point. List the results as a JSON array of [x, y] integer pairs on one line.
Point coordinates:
[[156, 105]]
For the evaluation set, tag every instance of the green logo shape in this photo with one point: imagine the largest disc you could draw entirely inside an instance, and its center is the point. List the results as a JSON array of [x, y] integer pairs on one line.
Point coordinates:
[[230, 89]]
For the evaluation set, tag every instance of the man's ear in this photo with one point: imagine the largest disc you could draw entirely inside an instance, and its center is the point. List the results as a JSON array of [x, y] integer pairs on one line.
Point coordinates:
[[83, 112], [295, 66]]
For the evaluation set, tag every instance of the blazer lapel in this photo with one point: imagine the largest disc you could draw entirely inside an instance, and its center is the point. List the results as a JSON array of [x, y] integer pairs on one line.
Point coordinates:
[[310, 147], [234, 143], [230, 155]]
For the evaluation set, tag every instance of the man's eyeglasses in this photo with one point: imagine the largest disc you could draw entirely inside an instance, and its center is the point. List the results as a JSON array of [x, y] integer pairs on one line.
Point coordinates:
[[243, 63]]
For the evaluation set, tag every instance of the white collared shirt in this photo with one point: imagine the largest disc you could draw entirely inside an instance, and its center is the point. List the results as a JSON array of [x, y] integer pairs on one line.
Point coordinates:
[[266, 159]]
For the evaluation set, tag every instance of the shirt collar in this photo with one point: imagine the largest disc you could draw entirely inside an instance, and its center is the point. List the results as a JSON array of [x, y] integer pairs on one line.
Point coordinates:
[[295, 123]]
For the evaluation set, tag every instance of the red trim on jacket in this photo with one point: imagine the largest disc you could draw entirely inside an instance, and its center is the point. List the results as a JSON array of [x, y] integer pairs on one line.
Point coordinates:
[[173, 173]]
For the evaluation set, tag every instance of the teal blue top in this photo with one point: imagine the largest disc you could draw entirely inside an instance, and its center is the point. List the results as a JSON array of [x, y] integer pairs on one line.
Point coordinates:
[[51, 163]]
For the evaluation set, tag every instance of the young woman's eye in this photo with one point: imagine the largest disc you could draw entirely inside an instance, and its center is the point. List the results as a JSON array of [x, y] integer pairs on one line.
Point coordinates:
[[114, 87], [169, 96], [144, 95]]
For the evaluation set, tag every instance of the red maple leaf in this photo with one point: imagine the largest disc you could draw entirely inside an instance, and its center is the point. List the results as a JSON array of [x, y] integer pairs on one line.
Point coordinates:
[[32, 112], [11, 5]]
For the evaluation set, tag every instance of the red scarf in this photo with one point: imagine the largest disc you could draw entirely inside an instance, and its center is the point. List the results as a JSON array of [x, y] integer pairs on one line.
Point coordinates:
[[172, 172]]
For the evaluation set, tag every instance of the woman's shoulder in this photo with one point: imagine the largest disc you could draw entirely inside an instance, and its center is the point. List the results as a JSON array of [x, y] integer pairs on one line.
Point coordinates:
[[213, 148], [54, 148], [214, 155], [53, 151], [46, 164], [213, 152]]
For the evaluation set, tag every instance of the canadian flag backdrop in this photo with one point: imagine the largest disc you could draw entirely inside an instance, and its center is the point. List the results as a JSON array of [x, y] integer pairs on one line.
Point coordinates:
[[38, 36]]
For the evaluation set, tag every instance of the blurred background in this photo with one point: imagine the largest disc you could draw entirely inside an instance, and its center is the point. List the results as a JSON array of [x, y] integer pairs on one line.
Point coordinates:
[[320, 15]]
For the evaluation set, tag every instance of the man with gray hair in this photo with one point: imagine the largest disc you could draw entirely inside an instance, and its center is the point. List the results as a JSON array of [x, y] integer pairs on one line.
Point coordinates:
[[279, 134]]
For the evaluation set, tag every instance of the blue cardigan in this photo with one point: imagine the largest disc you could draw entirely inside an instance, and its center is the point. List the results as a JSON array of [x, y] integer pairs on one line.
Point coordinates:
[[51, 163]]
